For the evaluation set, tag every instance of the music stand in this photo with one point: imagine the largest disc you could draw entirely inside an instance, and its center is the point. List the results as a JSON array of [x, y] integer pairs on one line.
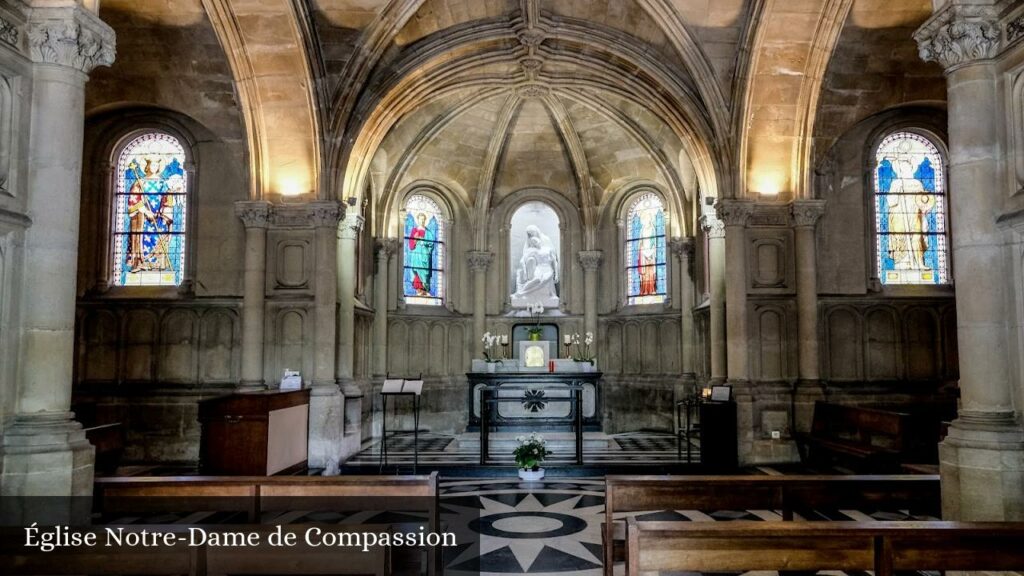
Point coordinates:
[[401, 387]]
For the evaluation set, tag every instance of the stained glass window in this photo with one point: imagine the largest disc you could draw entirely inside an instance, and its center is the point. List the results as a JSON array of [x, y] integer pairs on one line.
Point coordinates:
[[645, 250], [423, 247], [910, 211], [149, 212]]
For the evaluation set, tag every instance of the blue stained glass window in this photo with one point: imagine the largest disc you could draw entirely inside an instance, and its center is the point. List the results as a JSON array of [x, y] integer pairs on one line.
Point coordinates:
[[646, 281], [910, 211], [423, 248], [150, 205]]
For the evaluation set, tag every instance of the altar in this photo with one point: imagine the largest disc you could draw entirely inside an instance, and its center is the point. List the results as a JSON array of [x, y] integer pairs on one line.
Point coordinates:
[[545, 400]]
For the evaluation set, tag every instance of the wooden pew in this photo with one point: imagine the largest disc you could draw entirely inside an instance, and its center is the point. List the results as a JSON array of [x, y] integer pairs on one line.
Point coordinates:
[[867, 439], [809, 546], [783, 493]]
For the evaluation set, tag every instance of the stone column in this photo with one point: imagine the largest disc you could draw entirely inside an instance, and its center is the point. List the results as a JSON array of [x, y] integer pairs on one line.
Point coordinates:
[[479, 261], [734, 214], [683, 249], [255, 214], [325, 216], [348, 235], [591, 262], [44, 450], [715, 230], [982, 458], [381, 284], [805, 218]]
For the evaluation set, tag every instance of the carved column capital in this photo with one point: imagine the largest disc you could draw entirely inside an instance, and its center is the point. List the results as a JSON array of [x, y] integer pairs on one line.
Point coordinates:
[[682, 247], [386, 247], [479, 260], [734, 212], [959, 34], [70, 36], [590, 259], [326, 214], [714, 227], [253, 213], [807, 212], [349, 226]]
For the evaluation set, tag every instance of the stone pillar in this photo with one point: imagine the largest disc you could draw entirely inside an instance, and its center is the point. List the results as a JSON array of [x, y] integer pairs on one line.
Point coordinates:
[[44, 450], [348, 235], [683, 249], [715, 230], [805, 218], [256, 216], [381, 284], [591, 262], [324, 216], [479, 261], [734, 214], [982, 458]]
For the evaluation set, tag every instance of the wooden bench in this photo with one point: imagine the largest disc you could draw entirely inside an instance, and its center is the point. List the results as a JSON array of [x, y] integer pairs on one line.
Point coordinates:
[[868, 440], [784, 493], [810, 546], [200, 560]]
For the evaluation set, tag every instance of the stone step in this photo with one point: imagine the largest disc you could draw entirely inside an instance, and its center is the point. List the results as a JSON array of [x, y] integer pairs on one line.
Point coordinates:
[[505, 442]]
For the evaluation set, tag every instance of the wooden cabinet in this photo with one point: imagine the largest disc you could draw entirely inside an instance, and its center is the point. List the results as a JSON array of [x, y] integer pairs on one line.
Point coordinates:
[[254, 434]]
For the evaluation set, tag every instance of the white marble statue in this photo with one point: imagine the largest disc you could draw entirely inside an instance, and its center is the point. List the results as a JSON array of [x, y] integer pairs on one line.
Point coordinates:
[[537, 272]]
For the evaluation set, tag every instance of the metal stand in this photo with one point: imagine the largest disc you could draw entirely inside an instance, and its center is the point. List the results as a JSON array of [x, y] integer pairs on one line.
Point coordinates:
[[684, 414], [415, 428]]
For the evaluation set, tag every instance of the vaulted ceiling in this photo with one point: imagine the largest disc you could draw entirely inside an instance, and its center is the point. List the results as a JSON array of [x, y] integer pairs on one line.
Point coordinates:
[[483, 97]]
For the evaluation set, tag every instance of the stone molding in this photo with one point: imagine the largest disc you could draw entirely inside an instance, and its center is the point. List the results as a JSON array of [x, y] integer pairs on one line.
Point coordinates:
[[714, 227], [734, 212], [253, 213], [350, 226], [590, 259], [72, 37], [386, 247], [326, 214], [683, 247], [959, 35], [806, 213], [479, 260]]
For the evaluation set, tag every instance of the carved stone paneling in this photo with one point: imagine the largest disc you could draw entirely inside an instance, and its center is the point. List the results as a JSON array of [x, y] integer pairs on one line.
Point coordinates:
[[772, 343], [882, 345], [921, 340], [290, 262], [101, 338], [844, 344], [457, 361], [611, 360], [140, 329], [398, 359], [651, 350], [290, 339], [6, 135], [770, 261], [219, 347], [438, 354], [640, 346], [177, 357]]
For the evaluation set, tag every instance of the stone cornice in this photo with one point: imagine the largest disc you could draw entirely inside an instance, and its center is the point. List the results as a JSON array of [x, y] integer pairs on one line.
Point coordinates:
[[326, 214], [734, 212], [72, 37], [682, 247], [385, 248], [807, 212], [253, 213], [590, 259], [479, 260], [958, 35]]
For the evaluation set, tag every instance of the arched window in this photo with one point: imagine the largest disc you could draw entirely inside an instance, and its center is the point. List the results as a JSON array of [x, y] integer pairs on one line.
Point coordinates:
[[423, 251], [150, 207], [645, 250], [910, 211]]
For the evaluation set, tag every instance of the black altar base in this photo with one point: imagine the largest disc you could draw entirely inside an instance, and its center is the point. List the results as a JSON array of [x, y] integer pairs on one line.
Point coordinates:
[[544, 406]]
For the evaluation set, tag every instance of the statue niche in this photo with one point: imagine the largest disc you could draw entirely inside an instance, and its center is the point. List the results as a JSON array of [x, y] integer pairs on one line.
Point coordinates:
[[535, 260]]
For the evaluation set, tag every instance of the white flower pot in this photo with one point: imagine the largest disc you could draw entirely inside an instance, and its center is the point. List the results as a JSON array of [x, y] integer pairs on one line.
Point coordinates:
[[492, 367], [530, 475]]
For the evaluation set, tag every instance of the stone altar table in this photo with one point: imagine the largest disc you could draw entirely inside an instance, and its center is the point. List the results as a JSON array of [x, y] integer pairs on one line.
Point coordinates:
[[536, 412]]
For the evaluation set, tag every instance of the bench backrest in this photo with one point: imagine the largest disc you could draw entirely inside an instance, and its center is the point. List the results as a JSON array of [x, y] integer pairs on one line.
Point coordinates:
[[866, 425], [880, 546]]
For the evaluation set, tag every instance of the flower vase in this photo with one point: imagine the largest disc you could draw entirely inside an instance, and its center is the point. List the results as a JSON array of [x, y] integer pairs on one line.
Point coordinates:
[[531, 475], [492, 367], [535, 336]]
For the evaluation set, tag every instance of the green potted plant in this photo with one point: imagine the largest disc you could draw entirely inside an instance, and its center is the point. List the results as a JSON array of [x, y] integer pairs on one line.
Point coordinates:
[[529, 455], [536, 332]]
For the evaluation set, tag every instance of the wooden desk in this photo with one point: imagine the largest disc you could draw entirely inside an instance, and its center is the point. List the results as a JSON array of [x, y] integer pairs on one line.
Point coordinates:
[[254, 433]]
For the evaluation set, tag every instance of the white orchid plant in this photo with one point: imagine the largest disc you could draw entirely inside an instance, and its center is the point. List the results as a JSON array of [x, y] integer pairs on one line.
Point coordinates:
[[536, 310], [531, 452], [583, 345], [490, 343]]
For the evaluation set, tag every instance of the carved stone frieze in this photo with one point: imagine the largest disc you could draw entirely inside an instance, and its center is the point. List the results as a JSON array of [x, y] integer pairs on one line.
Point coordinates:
[[253, 213], [479, 260], [350, 226], [734, 212], [770, 215], [807, 212], [386, 248], [326, 214], [590, 259], [1015, 29], [959, 34], [72, 37], [682, 247], [714, 227], [9, 33]]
